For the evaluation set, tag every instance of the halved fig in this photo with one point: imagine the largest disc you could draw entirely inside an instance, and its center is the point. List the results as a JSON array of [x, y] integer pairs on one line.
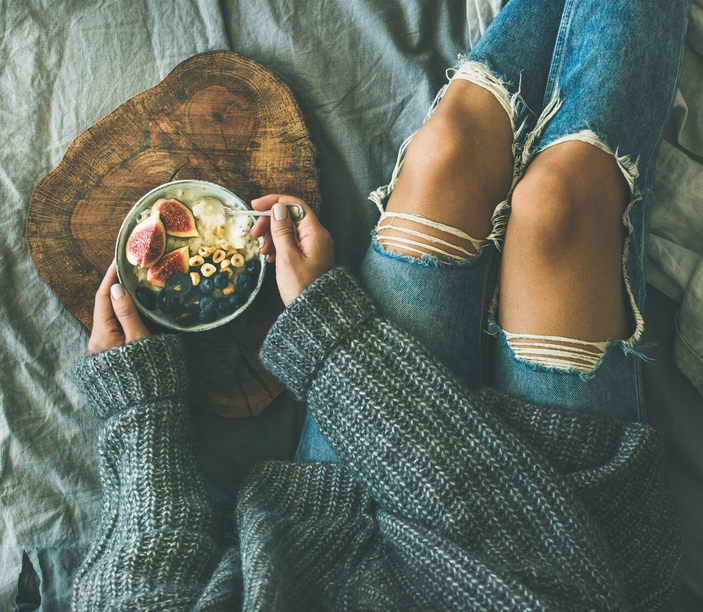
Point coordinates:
[[177, 218], [147, 242], [175, 261]]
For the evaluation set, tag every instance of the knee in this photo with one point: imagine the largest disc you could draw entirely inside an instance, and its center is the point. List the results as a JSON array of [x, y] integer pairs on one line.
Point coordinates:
[[544, 213], [564, 202], [468, 132], [437, 147]]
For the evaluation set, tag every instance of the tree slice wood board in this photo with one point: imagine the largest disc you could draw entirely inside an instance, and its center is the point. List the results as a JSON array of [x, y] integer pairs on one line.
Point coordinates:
[[217, 116]]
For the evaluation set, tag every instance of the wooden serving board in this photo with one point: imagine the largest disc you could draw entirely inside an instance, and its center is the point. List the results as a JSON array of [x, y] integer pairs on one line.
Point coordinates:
[[217, 116]]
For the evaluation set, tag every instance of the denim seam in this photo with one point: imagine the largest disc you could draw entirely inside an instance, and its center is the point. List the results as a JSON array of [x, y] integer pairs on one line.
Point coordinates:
[[555, 68]]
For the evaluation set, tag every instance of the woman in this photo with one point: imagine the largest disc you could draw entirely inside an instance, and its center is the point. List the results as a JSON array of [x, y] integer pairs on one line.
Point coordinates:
[[412, 491]]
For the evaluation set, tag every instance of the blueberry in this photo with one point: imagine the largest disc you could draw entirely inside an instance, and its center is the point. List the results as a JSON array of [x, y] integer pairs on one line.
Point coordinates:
[[207, 304], [246, 283], [224, 307], [238, 299], [146, 297], [165, 302], [253, 267], [178, 284], [207, 285], [221, 280], [207, 316]]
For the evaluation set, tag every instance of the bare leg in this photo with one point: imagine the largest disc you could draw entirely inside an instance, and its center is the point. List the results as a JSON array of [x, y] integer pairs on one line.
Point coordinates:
[[561, 272], [458, 168]]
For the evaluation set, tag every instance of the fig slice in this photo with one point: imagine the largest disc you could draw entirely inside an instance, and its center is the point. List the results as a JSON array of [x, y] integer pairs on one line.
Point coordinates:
[[177, 217], [175, 261], [147, 242]]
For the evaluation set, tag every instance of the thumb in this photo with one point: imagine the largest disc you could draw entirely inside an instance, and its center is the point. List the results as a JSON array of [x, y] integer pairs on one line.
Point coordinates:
[[282, 230], [127, 314]]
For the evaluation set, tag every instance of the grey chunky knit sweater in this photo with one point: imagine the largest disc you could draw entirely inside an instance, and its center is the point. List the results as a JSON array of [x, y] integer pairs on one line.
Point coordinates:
[[446, 499]]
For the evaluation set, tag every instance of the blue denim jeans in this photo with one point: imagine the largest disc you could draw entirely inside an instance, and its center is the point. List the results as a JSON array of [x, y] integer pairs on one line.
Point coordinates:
[[604, 73]]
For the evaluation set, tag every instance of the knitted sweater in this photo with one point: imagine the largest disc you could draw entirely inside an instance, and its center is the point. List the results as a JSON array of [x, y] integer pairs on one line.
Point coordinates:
[[446, 499]]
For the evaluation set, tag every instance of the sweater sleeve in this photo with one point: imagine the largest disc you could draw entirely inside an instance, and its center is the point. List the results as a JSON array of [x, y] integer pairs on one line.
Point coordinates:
[[472, 499], [155, 547]]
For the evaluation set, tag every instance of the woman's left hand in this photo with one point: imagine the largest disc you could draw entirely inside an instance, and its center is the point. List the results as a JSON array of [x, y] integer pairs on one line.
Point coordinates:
[[116, 320]]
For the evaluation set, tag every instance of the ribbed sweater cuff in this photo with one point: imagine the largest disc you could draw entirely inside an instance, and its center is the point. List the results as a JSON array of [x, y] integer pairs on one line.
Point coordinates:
[[318, 320], [138, 372]]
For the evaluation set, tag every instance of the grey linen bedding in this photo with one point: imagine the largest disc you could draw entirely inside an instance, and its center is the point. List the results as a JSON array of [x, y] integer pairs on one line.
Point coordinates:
[[365, 73]]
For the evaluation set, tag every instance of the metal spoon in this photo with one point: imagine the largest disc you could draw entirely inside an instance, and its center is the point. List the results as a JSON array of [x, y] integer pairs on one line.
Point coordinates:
[[297, 212]]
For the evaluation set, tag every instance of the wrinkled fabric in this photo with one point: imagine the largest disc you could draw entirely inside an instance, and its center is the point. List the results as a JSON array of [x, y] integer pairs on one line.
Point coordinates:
[[676, 242], [365, 74]]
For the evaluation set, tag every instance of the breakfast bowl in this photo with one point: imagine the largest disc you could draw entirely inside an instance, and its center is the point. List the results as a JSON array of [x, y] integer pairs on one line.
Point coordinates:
[[186, 261]]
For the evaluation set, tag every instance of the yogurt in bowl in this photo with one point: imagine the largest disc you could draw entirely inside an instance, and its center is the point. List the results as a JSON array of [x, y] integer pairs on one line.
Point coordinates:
[[185, 262]]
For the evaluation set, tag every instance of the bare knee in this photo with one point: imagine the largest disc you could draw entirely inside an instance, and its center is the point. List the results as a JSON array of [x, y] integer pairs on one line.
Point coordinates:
[[561, 271], [463, 150], [571, 196], [436, 148]]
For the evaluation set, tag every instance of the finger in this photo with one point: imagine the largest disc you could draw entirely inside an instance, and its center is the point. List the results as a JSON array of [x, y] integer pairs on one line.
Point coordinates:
[[102, 311], [267, 201], [310, 219], [267, 247], [127, 314], [283, 230], [261, 227], [309, 229]]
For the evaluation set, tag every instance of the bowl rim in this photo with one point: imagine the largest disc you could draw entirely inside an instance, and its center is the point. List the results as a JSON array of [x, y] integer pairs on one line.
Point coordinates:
[[129, 221]]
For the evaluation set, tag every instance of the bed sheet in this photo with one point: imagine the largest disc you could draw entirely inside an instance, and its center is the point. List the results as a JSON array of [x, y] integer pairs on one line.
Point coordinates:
[[676, 240], [365, 72]]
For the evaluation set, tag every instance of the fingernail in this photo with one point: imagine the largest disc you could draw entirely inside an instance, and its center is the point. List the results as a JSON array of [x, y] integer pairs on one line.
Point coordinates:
[[117, 291], [280, 211]]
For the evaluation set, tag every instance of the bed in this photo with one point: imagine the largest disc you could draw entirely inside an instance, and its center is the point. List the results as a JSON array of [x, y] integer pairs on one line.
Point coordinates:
[[365, 73]]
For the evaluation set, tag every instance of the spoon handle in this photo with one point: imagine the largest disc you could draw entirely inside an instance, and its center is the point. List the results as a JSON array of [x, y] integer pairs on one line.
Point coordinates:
[[297, 212]]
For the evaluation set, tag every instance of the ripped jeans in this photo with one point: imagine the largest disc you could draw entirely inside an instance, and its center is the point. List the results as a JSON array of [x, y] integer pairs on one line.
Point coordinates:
[[604, 73]]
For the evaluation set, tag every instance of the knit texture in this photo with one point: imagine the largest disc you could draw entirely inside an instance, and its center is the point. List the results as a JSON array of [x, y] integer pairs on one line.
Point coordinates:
[[446, 499]]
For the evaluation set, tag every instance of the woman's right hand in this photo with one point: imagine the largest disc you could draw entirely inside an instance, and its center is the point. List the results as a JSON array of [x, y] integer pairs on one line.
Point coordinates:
[[302, 251]]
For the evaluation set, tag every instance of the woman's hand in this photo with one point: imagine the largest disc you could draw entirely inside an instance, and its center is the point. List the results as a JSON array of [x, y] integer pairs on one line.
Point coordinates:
[[302, 251], [115, 318]]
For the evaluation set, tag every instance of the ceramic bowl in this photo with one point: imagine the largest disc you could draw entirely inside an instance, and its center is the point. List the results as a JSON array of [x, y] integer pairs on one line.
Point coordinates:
[[193, 190]]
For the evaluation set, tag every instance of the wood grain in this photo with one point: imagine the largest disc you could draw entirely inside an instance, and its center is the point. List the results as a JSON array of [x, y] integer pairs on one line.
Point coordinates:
[[217, 116]]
